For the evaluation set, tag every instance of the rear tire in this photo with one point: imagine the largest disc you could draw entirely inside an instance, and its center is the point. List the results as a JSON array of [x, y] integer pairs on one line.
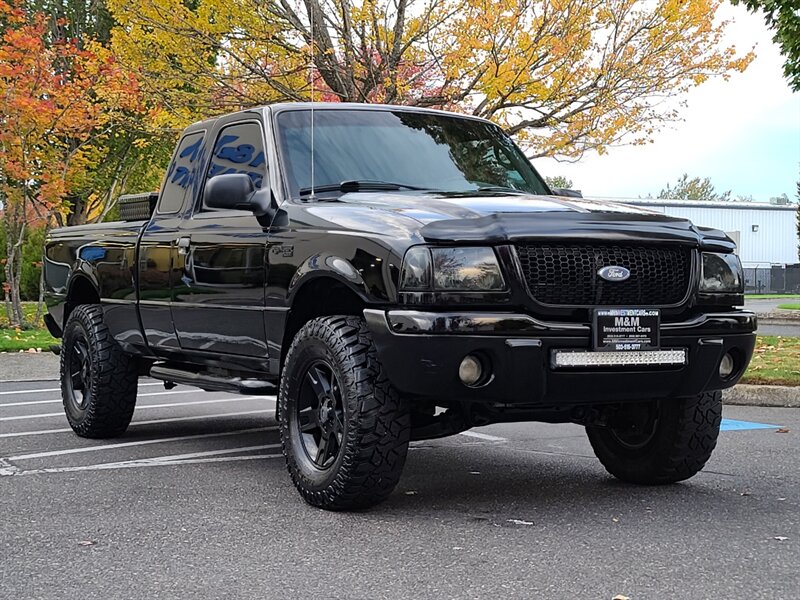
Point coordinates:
[[344, 428], [659, 442], [98, 379]]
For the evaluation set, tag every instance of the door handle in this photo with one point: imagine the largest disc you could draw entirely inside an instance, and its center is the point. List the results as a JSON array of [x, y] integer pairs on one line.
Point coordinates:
[[183, 245]]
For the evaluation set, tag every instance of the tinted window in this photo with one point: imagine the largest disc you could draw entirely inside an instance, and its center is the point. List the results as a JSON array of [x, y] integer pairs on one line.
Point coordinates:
[[424, 150], [181, 173], [239, 149]]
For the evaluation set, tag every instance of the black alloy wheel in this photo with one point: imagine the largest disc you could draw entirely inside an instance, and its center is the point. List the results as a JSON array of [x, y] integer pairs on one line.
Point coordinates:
[[78, 380], [98, 379], [344, 428], [320, 415], [635, 428]]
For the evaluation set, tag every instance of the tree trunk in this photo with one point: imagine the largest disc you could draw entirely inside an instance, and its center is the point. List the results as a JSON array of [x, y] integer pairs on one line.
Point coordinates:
[[40, 301], [13, 272]]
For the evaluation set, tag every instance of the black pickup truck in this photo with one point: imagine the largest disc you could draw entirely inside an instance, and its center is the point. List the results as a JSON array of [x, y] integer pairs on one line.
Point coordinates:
[[397, 274]]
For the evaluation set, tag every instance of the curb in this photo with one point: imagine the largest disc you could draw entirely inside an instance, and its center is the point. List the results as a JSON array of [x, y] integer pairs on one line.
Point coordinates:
[[782, 317], [762, 395]]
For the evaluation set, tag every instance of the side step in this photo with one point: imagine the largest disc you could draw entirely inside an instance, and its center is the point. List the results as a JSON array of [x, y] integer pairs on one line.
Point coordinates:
[[213, 383]]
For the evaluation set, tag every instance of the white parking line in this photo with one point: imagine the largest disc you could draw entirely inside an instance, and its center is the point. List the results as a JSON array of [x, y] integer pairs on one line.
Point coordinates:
[[59, 400], [148, 406], [10, 392], [148, 422], [177, 438], [192, 455], [134, 464], [483, 436]]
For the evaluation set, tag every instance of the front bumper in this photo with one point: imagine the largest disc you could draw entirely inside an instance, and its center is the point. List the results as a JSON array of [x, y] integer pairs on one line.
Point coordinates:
[[421, 352]]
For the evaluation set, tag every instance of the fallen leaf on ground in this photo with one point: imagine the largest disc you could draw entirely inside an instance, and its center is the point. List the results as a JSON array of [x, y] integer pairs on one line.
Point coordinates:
[[519, 522], [620, 597], [86, 543], [782, 430], [780, 538]]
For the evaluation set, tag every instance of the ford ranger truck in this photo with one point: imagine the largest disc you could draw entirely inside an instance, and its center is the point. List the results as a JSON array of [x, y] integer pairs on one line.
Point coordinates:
[[401, 274]]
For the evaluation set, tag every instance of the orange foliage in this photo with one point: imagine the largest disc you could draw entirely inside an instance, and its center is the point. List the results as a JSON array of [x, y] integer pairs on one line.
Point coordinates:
[[56, 100]]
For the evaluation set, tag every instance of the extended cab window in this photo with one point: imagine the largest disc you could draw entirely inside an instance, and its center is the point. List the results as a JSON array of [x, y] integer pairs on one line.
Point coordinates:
[[181, 173], [239, 149]]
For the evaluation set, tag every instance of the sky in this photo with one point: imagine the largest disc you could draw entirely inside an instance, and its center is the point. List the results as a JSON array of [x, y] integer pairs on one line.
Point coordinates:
[[744, 133]]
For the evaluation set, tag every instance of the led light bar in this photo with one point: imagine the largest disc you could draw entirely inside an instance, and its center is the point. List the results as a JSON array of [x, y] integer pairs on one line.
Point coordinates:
[[583, 358]]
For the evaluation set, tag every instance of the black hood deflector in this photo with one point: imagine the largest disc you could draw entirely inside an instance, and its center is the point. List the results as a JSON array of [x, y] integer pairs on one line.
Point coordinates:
[[564, 227]]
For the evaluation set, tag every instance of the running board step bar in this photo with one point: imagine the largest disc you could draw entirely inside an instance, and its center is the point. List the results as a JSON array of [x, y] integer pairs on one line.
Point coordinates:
[[213, 383]]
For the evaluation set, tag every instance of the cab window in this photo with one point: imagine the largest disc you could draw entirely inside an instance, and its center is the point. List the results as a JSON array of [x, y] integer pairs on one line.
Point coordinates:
[[181, 173], [239, 149]]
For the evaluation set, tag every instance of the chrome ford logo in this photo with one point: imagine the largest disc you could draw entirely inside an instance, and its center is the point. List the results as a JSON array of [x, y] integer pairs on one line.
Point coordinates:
[[614, 273]]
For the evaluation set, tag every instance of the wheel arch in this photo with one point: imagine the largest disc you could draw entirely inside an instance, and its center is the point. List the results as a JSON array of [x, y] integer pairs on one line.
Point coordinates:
[[81, 290], [321, 294]]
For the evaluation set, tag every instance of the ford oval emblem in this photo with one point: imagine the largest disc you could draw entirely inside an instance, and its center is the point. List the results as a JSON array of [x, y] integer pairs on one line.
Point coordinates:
[[614, 273]]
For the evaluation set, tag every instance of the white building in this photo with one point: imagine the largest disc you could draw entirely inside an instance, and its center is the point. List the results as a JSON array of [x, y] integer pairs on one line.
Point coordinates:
[[766, 234]]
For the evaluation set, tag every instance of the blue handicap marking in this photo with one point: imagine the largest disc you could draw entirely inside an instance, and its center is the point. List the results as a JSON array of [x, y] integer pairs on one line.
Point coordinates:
[[734, 425]]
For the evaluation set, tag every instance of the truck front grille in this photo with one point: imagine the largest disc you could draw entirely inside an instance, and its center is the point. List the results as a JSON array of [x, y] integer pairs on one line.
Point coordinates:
[[568, 274]]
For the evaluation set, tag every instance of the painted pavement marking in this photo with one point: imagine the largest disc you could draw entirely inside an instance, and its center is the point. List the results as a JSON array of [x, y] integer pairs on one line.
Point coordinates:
[[9, 392], [734, 425], [148, 422], [178, 438], [147, 406]]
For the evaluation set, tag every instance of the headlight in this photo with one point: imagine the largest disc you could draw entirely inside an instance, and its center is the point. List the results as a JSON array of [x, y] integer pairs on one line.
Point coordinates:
[[722, 274], [451, 269], [416, 271]]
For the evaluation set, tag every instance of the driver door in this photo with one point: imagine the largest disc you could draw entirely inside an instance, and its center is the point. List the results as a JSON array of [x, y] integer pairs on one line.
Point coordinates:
[[218, 296]]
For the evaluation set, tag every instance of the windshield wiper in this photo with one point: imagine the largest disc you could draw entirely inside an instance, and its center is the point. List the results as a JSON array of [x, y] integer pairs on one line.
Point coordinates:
[[357, 185], [500, 188]]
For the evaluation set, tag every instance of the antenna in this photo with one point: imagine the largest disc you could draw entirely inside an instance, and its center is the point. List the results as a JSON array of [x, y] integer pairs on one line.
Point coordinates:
[[311, 81]]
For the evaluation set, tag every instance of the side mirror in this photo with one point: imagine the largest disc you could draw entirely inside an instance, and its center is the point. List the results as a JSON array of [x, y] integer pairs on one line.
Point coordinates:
[[566, 192], [232, 191]]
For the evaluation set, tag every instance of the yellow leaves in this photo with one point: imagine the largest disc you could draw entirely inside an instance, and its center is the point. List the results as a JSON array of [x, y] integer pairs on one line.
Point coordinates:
[[578, 74]]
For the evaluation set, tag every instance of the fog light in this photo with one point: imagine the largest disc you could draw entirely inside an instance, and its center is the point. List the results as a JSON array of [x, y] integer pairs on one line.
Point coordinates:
[[726, 366], [470, 370]]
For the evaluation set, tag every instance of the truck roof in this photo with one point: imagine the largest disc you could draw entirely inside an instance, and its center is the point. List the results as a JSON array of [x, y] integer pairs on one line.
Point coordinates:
[[283, 106]]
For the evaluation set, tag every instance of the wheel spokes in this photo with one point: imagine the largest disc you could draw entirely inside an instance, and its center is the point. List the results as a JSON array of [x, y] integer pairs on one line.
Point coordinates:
[[320, 414], [338, 424], [327, 448], [309, 420], [79, 371], [319, 382]]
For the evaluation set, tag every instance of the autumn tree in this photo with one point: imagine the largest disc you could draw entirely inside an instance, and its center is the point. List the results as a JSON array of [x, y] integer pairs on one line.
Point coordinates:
[[558, 181], [563, 76], [695, 188], [58, 103]]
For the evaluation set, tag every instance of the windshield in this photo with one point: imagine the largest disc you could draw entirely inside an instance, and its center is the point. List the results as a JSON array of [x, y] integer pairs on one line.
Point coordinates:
[[420, 150]]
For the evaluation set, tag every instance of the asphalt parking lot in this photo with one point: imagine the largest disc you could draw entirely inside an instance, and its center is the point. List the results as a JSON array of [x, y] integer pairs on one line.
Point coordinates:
[[195, 502]]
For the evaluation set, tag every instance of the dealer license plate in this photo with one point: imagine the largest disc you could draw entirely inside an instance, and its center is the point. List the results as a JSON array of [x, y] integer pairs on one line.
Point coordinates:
[[620, 329]]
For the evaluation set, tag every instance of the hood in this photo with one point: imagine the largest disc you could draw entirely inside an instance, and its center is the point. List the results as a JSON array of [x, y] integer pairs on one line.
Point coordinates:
[[432, 206], [499, 218]]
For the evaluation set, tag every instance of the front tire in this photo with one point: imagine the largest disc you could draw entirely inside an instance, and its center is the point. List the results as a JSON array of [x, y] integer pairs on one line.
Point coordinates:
[[98, 379], [344, 428], [659, 442]]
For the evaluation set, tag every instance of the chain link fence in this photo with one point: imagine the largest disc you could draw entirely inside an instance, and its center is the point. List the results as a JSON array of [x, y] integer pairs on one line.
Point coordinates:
[[777, 279]]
